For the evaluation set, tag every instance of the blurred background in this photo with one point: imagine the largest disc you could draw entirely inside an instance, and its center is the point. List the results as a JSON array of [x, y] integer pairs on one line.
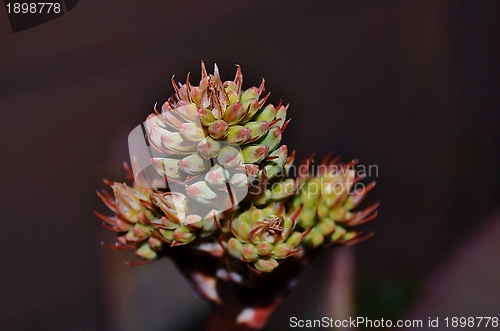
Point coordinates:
[[412, 87]]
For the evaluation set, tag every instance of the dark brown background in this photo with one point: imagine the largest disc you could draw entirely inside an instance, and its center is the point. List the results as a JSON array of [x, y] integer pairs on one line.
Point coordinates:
[[410, 86]]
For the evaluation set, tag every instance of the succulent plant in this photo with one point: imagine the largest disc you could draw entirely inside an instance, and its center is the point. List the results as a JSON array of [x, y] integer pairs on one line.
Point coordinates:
[[220, 186]]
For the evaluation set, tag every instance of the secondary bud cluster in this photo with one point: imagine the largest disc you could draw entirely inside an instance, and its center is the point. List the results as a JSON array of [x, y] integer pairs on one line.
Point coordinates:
[[264, 236], [133, 219], [327, 201]]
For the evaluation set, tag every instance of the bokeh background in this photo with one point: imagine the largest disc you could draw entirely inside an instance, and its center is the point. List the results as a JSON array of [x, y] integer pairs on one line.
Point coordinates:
[[412, 87]]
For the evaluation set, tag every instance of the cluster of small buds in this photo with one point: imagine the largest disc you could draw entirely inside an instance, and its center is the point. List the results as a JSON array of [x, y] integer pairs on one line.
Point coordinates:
[[133, 219], [327, 201], [177, 227], [216, 134], [264, 236]]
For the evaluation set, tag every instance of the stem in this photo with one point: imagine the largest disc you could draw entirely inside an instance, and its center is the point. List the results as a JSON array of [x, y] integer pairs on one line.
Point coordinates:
[[245, 305], [223, 318], [258, 308]]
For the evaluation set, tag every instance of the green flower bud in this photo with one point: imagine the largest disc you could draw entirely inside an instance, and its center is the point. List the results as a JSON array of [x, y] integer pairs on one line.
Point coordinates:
[[251, 107], [168, 223], [275, 166], [249, 252], [251, 93], [314, 238], [174, 141], [234, 113], [187, 111], [338, 233], [233, 97], [264, 198], [282, 189], [192, 131], [141, 231], [206, 116], [272, 138], [326, 227], [241, 229], [217, 176], [208, 148], [265, 248], [234, 247], [258, 129], [307, 218], [267, 114], [294, 240], [194, 222], [167, 234], [229, 157], [266, 265], [254, 154], [183, 235], [239, 180], [146, 252], [200, 192], [218, 129], [281, 114], [281, 251], [349, 235], [166, 167], [193, 164], [238, 134], [154, 243], [196, 93]]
